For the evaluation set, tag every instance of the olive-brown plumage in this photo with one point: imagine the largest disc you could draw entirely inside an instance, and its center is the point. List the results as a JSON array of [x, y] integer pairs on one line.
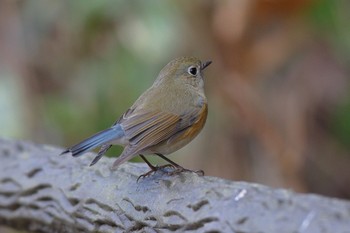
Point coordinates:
[[162, 120]]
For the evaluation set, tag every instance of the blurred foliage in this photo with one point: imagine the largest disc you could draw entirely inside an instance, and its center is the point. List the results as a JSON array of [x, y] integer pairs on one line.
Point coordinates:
[[341, 123], [278, 88], [330, 20]]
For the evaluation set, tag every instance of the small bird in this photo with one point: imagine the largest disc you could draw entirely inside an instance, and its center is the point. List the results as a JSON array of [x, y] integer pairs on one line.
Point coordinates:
[[163, 119]]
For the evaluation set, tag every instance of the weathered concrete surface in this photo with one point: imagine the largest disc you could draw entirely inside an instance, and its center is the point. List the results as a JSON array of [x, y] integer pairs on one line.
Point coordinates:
[[43, 192]]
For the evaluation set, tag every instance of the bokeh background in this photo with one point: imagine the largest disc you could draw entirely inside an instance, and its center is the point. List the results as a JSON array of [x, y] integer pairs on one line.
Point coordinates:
[[278, 88]]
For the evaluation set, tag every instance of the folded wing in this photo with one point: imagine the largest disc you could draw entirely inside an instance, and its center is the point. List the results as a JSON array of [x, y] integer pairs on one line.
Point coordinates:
[[144, 130]]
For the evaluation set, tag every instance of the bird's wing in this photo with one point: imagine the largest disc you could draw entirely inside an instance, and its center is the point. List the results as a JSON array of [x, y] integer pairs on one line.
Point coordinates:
[[144, 130], [191, 124], [149, 128]]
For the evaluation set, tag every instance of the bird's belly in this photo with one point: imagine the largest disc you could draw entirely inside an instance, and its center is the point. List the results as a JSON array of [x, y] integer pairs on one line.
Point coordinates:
[[169, 147]]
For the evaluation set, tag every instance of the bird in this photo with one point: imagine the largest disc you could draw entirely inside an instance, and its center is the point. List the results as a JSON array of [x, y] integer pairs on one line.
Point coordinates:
[[165, 118]]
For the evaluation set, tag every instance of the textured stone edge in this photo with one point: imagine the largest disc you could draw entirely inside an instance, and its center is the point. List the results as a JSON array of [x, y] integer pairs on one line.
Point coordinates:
[[43, 192]]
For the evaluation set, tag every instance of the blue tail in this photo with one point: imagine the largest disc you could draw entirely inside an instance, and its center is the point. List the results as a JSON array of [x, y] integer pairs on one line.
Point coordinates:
[[114, 133]]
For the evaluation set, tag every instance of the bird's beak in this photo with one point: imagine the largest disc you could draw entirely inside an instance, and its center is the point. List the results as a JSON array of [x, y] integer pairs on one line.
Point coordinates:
[[205, 64]]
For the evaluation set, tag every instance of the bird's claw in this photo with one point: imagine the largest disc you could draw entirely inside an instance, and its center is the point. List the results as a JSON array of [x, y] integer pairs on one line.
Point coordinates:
[[154, 170], [179, 170], [176, 170]]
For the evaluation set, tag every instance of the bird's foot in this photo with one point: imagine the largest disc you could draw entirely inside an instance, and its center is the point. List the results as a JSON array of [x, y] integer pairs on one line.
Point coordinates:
[[155, 169], [176, 170], [180, 169]]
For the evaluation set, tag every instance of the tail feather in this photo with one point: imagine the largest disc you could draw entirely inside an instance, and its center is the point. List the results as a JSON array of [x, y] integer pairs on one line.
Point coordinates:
[[103, 150], [114, 133]]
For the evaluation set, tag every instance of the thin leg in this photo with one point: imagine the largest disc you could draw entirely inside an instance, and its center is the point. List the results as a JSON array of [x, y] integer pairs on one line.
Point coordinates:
[[148, 163], [153, 168], [168, 160], [179, 168]]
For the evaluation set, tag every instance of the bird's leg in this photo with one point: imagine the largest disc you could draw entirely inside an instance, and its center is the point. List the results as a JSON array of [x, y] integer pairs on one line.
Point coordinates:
[[153, 168], [178, 168]]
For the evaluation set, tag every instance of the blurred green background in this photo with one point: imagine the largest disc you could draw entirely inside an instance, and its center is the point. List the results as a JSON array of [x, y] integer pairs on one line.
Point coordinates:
[[278, 88]]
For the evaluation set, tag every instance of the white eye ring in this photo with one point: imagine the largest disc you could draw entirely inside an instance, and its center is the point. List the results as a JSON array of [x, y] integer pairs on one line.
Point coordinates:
[[192, 70]]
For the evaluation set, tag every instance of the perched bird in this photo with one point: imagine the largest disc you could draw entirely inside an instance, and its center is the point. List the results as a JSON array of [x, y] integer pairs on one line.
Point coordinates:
[[163, 119]]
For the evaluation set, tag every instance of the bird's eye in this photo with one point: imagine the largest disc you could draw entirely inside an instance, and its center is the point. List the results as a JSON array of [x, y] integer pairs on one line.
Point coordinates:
[[192, 70]]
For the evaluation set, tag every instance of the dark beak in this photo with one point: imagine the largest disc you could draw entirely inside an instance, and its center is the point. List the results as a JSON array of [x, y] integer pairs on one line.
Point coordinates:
[[205, 64]]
